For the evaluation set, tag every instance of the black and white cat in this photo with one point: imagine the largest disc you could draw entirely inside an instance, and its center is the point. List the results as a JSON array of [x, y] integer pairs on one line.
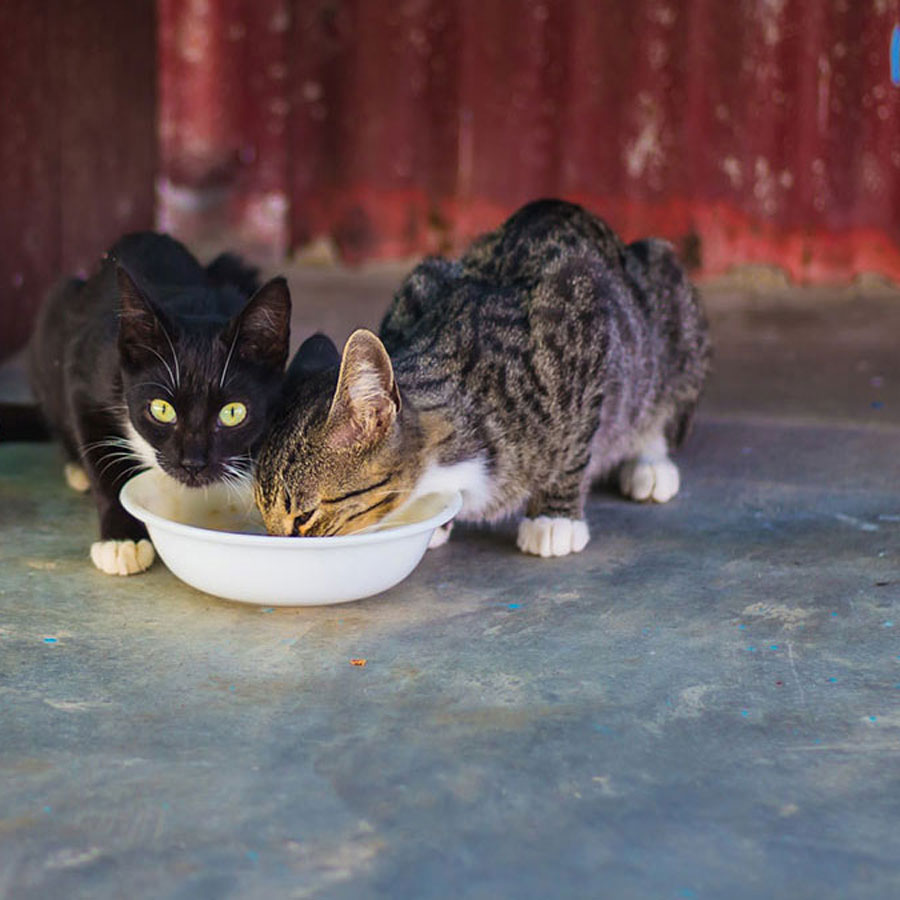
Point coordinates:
[[157, 362]]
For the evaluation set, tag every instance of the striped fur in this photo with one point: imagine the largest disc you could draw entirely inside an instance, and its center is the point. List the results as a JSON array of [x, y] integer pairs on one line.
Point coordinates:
[[549, 354]]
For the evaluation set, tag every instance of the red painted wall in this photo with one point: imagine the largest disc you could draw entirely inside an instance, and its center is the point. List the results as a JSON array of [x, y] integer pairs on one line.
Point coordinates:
[[77, 141], [749, 130], [224, 145]]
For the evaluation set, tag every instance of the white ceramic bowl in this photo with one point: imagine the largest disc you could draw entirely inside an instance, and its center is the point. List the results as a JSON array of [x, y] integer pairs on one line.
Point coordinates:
[[191, 533]]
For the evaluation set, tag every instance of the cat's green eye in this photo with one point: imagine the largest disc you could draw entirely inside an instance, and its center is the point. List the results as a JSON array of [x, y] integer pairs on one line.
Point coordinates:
[[232, 414], [162, 411]]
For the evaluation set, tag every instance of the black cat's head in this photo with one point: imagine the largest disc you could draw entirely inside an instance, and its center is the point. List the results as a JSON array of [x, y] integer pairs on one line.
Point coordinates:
[[200, 388]]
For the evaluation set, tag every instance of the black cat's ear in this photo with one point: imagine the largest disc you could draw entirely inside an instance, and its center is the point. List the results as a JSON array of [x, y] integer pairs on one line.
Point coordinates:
[[316, 354], [261, 331], [228, 268], [143, 335], [366, 400]]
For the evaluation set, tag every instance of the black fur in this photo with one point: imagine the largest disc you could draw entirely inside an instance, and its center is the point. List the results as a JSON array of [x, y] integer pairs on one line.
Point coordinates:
[[153, 323], [22, 422]]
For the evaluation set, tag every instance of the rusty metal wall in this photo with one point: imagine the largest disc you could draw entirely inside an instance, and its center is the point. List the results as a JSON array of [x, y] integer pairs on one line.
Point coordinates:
[[77, 141], [747, 131], [224, 144]]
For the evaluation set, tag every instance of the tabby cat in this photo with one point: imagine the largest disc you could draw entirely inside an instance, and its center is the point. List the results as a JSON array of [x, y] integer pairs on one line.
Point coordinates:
[[550, 354], [157, 362]]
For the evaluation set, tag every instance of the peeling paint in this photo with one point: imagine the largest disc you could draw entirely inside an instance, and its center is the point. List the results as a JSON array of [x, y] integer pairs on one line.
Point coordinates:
[[765, 186], [645, 151], [476, 112], [824, 90], [731, 166], [771, 13]]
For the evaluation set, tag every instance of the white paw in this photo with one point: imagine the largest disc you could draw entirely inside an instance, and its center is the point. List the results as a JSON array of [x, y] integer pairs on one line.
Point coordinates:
[[122, 557], [440, 535], [544, 536], [649, 479], [76, 477]]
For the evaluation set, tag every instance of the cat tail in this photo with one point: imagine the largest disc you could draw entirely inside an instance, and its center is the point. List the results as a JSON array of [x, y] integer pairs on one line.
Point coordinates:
[[230, 269], [22, 422]]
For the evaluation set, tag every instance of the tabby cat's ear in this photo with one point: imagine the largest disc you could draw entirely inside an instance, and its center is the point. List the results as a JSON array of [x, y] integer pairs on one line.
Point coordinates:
[[142, 328], [260, 333], [366, 400]]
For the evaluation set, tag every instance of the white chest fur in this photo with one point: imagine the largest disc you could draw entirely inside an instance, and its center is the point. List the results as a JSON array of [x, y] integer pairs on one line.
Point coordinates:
[[141, 448], [470, 478]]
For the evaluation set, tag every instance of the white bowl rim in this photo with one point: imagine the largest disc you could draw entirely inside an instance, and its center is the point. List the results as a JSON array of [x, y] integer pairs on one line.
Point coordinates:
[[285, 542]]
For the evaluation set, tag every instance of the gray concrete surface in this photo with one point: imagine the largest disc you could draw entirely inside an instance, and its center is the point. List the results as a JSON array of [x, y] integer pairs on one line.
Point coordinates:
[[703, 704]]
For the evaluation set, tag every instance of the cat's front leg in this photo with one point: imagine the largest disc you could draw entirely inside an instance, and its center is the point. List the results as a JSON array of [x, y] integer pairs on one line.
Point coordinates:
[[650, 474], [440, 535], [122, 557], [123, 548], [76, 477], [554, 524]]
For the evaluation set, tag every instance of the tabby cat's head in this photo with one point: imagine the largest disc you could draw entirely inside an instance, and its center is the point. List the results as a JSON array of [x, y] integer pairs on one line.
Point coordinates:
[[343, 453], [200, 388]]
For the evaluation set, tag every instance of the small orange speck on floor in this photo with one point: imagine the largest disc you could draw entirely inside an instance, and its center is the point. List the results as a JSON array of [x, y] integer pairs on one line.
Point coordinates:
[[358, 662]]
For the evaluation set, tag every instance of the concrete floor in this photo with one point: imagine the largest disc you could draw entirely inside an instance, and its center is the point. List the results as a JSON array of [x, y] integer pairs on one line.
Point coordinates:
[[703, 704]]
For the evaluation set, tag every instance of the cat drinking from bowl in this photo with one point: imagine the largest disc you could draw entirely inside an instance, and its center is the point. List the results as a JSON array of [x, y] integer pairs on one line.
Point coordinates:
[[550, 354]]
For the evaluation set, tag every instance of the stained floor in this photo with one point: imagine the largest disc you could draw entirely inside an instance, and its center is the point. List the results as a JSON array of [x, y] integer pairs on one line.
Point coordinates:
[[703, 704]]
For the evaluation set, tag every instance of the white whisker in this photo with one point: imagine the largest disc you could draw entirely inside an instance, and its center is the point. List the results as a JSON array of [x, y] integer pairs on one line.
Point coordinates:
[[174, 358], [107, 442], [121, 460], [236, 488], [237, 331], [158, 384], [168, 367], [112, 459], [131, 470]]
